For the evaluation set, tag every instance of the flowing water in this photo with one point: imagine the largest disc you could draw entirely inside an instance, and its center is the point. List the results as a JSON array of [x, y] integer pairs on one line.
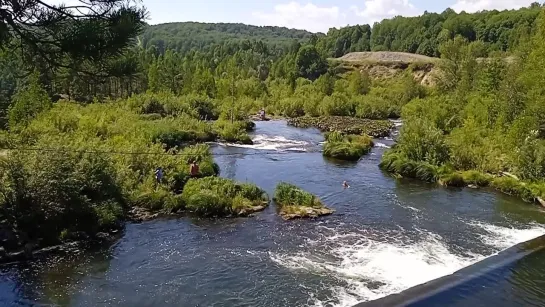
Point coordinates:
[[386, 235]]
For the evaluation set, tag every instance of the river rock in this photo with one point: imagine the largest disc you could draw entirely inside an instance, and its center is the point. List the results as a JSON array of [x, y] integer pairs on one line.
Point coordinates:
[[472, 186], [345, 124], [139, 214], [307, 212], [541, 201]]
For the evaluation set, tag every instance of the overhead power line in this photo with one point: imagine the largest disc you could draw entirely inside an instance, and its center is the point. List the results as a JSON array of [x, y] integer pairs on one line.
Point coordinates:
[[265, 152]]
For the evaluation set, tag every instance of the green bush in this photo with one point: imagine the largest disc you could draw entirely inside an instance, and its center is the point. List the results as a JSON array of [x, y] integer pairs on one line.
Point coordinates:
[[154, 200], [30, 100], [215, 196], [45, 193], [287, 194], [477, 178], [511, 186], [350, 147], [208, 203], [452, 180], [235, 132], [396, 163]]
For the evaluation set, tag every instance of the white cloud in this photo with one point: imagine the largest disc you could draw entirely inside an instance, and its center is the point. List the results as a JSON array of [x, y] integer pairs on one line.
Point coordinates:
[[377, 10], [471, 6], [309, 16]]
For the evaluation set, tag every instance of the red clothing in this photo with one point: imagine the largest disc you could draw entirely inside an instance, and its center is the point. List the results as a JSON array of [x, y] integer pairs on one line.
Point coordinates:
[[194, 170]]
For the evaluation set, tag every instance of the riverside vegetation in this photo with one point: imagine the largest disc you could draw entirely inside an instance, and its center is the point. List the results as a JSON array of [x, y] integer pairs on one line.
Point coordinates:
[[293, 202], [483, 126], [346, 147], [87, 119]]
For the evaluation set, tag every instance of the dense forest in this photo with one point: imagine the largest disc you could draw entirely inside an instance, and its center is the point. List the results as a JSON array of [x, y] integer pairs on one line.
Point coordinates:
[[186, 36], [88, 116], [498, 31]]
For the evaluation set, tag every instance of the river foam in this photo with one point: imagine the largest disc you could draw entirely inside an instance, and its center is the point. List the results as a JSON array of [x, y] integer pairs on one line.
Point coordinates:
[[278, 143], [371, 268]]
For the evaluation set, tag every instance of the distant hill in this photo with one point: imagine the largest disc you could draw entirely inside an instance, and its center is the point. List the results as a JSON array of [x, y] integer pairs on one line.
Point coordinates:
[[497, 32], [185, 36]]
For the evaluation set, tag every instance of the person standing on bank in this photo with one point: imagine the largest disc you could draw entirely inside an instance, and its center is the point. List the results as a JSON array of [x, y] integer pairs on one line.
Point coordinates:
[[159, 175], [194, 169]]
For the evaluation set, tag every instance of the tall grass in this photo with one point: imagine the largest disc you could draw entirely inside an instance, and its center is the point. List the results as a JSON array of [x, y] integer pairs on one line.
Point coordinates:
[[287, 194], [349, 147], [215, 196], [394, 162]]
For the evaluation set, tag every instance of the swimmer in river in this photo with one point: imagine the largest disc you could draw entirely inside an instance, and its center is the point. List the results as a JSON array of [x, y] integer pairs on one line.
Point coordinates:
[[345, 185]]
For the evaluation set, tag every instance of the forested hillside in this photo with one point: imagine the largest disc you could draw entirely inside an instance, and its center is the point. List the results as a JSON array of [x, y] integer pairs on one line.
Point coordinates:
[[497, 31], [186, 36]]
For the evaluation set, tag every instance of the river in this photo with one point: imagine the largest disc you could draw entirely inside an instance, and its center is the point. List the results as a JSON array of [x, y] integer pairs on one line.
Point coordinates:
[[385, 236]]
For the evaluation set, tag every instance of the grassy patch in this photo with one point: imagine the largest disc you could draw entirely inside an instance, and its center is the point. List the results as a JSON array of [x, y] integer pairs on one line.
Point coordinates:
[[294, 202], [513, 187], [477, 178], [397, 164], [350, 147], [236, 132], [452, 180], [215, 196]]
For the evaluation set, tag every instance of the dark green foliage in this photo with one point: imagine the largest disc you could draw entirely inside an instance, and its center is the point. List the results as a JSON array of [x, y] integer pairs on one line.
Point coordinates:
[[309, 64], [186, 36], [29, 101], [96, 31], [45, 193], [215, 196]]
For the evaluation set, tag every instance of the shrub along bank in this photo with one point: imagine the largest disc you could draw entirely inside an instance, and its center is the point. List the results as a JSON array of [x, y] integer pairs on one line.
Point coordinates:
[[529, 191], [74, 171]]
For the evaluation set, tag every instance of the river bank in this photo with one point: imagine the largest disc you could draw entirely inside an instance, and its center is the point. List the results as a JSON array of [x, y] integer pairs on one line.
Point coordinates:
[[385, 236], [503, 182]]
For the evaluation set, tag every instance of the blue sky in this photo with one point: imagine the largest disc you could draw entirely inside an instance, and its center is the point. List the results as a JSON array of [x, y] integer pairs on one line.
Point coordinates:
[[312, 15]]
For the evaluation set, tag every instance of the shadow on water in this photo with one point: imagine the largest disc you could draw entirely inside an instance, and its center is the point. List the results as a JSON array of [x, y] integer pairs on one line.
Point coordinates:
[[53, 281]]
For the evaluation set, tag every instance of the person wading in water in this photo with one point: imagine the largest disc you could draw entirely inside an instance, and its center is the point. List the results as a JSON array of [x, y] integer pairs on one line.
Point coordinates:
[[194, 169]]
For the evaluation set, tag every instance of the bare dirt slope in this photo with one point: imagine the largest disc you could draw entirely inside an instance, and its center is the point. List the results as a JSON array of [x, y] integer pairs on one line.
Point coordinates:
[[386, 56], [385, 64]]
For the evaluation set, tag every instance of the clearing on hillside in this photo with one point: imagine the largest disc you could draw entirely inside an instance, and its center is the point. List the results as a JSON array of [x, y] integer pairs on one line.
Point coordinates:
[[386, 56], [387, 65]]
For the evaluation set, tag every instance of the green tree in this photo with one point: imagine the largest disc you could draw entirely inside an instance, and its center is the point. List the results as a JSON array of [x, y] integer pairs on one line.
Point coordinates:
[[87, 30], [359, 82], [29, 100], [309, 64]]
